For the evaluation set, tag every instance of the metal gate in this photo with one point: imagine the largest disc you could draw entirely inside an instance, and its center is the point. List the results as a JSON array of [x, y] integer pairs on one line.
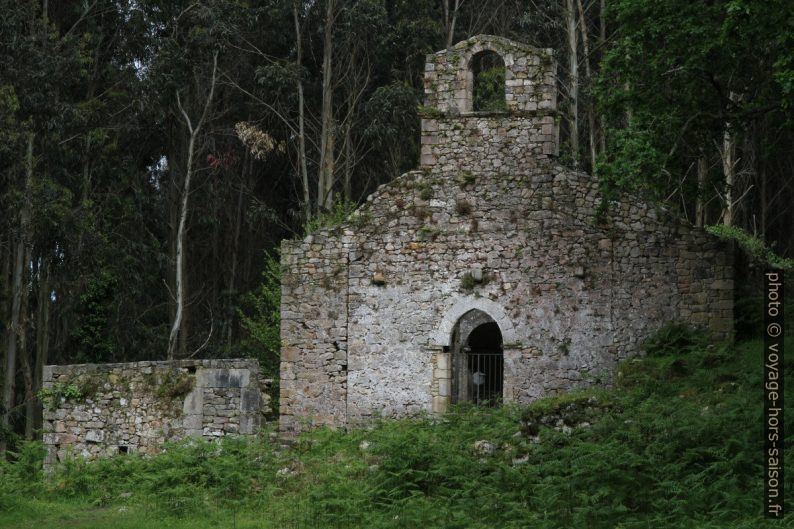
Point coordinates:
[[479, 377]]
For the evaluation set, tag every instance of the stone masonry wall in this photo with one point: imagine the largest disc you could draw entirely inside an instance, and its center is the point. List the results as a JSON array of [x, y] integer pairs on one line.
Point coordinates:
[[104, 409], [314, 317], [572, 296], [455, 138], [488, 145]]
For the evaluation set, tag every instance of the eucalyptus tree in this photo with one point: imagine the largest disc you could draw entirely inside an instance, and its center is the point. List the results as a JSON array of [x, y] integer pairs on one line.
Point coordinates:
[[708, 87]]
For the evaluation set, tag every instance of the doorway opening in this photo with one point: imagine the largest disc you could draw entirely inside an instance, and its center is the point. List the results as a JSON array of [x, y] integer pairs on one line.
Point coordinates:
[[477, 360]]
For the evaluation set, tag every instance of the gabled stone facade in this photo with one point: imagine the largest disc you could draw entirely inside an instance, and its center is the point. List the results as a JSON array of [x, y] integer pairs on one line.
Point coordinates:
[[379, 314]]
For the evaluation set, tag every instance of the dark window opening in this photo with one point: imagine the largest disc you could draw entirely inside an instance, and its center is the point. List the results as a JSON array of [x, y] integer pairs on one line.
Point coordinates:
[[191, 370], [124, 449], [488, 72]]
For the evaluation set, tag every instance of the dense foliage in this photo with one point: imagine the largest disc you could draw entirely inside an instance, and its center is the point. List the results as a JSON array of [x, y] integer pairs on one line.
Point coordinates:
[[675, 444]]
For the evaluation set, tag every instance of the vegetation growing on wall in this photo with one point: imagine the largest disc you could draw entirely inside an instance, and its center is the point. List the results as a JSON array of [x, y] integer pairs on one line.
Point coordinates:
[[174, 385], [753, 246], [51, 397]]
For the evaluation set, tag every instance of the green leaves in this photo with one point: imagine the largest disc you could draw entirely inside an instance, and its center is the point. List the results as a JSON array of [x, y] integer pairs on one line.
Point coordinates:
[[92, 332], [753, 246], [260, 316], [676, 76]]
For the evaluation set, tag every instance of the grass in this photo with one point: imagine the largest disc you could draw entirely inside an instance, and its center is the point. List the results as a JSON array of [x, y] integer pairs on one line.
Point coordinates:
[[676, 443]]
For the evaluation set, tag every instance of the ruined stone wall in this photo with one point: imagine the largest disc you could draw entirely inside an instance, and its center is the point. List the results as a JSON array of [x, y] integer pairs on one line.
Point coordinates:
[[314, 330], [572, 295], [104, 409], [488, 145], [455, 138]]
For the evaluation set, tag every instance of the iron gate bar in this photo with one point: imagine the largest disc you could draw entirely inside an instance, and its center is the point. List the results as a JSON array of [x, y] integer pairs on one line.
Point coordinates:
[[485, 372]]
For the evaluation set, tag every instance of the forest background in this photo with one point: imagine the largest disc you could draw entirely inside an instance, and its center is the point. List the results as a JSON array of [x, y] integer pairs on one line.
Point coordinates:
[[154, 153]]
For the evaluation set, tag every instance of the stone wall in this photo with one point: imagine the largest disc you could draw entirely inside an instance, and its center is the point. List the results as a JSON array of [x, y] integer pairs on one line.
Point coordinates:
[[104, 409], [369, 306], [314, 316], [488, 145], [455, 138]]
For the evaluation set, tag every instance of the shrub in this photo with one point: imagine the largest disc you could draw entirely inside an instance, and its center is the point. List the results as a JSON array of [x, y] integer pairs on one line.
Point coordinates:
[[674, 338], [260, 315]]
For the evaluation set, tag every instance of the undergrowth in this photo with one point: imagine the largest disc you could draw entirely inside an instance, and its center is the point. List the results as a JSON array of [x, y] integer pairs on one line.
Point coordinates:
[[676, 443]]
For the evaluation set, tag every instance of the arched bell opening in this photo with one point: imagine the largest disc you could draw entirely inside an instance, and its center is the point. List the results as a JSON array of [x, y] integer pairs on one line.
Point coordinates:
[[488, 82]]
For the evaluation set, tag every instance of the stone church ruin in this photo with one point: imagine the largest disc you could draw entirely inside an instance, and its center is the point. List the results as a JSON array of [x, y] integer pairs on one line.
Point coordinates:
[[486, 275]]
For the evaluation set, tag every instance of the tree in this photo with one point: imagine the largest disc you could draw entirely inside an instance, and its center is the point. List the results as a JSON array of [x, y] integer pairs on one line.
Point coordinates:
[[705, 88], [193, 130]]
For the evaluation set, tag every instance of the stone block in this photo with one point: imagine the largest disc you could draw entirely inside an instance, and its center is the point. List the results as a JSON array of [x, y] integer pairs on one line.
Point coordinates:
[[249, 400], [440, 404], [194, 402], [722, 284], [95, 436], [249, 424], [428, 159], [213, 378], [239, 378], [443, 361], [192, 424]]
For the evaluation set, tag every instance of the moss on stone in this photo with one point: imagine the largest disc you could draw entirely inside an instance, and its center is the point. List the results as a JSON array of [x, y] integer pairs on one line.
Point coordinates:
[[175, 385], [465, 178], [88, 385], [467, 282]]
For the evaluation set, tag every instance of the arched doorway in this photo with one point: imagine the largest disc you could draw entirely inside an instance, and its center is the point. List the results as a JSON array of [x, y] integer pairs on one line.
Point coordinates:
[[477, 360]]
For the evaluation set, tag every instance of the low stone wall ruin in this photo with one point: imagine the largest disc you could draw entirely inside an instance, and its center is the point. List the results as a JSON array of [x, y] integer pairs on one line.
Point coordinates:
[[94, 410]]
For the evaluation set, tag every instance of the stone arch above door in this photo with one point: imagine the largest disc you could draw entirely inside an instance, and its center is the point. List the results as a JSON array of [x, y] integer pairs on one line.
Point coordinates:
[[443, 333]]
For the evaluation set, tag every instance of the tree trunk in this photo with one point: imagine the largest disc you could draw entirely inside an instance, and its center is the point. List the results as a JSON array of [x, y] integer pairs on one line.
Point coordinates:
[[728, 166], [700, 211], [15, 329], [764, 203], [42, 336], [5, 285], [304, 171], [728, 154], [27, 372], [238, 220], [573, 79], [450, 19], [180, 237], [325, 182], [602, 40], [348, 164], [591, 119]]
